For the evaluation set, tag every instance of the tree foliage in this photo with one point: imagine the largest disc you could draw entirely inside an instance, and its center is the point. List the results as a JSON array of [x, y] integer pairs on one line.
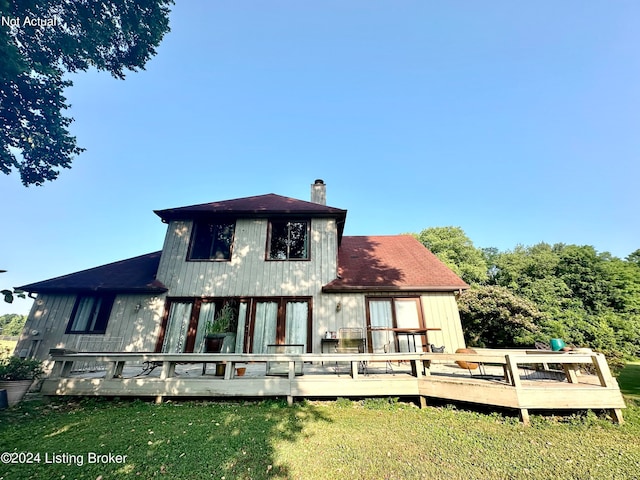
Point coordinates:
[[456, 250], [12, 324], [588, 298], [494, 317], [111, 35]]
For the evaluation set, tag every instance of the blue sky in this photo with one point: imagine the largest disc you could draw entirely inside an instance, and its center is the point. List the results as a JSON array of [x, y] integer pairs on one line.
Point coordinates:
[[516, 121]]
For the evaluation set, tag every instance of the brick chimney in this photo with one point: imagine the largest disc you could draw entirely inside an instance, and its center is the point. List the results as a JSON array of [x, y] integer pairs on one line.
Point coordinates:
[[319, 192]]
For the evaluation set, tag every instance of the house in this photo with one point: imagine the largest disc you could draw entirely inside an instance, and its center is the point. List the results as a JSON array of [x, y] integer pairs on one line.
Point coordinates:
[[282, 265]]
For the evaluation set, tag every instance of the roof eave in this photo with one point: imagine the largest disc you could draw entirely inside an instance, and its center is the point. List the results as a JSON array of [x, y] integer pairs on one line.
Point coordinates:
[[392, 288], [76, 290]]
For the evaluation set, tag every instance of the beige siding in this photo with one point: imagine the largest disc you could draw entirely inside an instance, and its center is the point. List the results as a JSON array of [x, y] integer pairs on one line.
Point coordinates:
[[248, 274], [441, 311], [135, 322], [133, 326], [45, 325]]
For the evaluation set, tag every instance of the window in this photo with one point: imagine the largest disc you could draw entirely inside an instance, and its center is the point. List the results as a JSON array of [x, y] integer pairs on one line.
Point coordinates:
[[288, 240], [90, 314], [211, 241]]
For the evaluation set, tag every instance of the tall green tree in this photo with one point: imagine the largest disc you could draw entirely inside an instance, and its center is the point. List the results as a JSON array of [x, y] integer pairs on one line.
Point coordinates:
[[494, 317], [456, 250], [588, 298], [41, 41], [12, 323]]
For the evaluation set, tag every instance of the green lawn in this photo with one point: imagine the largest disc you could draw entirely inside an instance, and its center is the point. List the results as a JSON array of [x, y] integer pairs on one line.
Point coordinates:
[[629, 381], [375, 439]]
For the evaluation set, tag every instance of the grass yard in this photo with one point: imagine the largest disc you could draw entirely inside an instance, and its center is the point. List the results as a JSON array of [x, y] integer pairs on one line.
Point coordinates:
[[629, 381], [373, 439], [6, 345]]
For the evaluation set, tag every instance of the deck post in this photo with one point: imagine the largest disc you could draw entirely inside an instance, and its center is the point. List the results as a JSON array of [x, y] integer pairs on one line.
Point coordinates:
[[512, 367], [602, 369], [616, 414], [416, 371], [292, 377], [570, 372], [228, 370], [114, 370], [66, 369], [426, 367], [168, 369], [423, 401], [354, 369], [524, 416]]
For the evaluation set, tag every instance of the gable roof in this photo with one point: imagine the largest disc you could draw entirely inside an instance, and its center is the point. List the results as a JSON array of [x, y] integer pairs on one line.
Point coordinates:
[[388, 263], [134, 275], [270, 205]]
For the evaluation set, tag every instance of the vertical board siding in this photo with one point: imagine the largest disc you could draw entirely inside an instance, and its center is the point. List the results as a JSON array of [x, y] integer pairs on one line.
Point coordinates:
[[135, 319], [134, 329], [441, 311], [248, 273]]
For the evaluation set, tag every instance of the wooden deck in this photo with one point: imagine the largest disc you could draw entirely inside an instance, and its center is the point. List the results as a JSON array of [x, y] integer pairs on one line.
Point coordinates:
[[515, 379]]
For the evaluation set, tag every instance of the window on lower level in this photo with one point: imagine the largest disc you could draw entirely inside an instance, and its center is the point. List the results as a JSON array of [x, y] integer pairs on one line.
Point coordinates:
[[288, 240], [211, 241], [90, 314]]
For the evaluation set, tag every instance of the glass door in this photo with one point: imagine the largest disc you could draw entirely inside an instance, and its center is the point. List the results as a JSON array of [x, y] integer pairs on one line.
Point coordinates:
[[394, 325], [279, 321], [175, 335]]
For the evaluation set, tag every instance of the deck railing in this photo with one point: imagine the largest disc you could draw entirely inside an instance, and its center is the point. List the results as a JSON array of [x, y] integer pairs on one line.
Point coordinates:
[[587, 381]]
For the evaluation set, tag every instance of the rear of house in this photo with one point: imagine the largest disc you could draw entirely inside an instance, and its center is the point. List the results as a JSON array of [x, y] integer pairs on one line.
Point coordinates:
[[283, 267]]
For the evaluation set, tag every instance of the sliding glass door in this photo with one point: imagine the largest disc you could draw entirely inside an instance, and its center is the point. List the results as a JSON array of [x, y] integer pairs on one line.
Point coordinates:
[[392, 323], [258, 322], [279, 321]]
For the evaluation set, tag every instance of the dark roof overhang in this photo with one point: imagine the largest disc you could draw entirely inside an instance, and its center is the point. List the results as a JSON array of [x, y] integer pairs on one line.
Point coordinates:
[[260, 206], [133, 275]]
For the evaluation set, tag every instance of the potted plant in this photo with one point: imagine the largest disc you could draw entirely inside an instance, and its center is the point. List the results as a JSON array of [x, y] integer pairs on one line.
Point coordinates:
[[219, 332], [16, 376]]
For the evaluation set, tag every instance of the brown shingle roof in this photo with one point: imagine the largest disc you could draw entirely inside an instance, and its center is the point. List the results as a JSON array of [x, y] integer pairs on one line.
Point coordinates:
[[271, 205], [268, 204], [134, 275], [398, 262]]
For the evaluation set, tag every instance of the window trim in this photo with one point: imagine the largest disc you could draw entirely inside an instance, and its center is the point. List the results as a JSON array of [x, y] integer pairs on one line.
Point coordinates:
[[102, 315], [192, 240], [306, 221]]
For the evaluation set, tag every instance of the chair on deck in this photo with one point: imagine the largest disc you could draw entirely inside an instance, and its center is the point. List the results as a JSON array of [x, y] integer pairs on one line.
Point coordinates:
[[387, 345], [351, 340], [470, 365]]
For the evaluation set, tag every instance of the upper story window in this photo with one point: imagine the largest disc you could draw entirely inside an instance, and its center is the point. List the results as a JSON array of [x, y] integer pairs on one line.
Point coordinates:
[[288, 240], [90, 314], [211, 241]]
